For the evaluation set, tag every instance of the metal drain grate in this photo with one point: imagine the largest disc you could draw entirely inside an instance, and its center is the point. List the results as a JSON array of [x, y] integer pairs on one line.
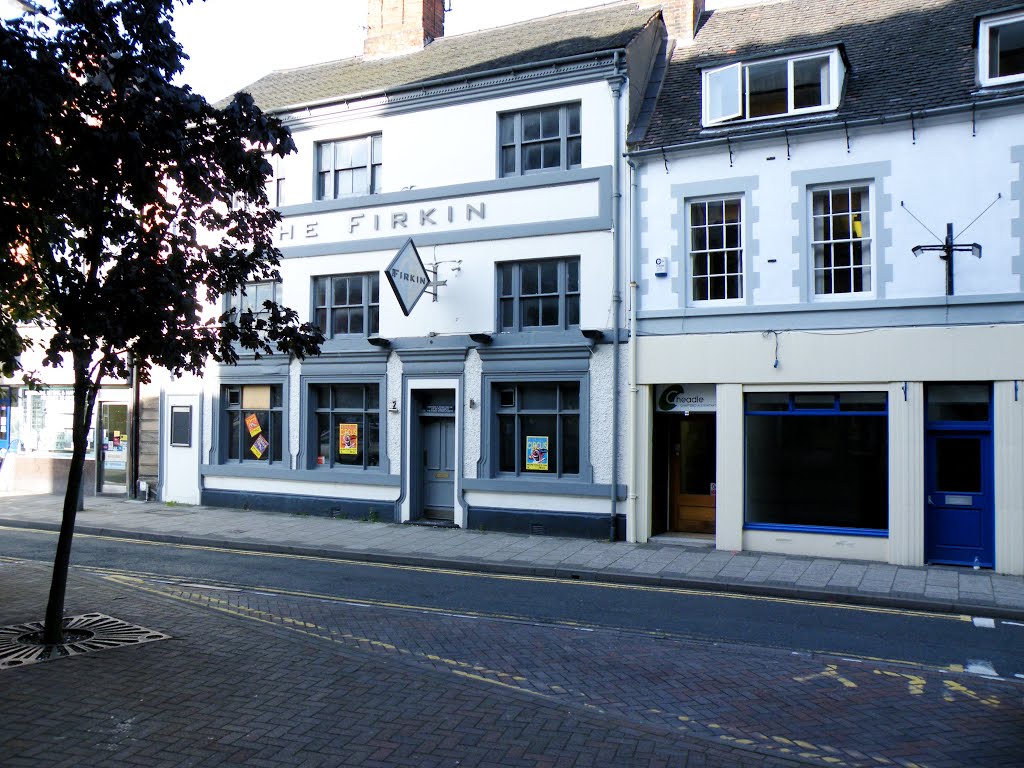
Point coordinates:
[[20, 644]]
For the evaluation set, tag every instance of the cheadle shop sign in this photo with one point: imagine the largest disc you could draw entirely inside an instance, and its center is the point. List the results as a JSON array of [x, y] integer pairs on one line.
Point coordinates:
[[681, 398]]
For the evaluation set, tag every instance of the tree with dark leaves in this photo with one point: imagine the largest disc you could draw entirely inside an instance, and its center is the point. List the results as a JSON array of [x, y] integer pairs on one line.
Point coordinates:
[[127, 205]]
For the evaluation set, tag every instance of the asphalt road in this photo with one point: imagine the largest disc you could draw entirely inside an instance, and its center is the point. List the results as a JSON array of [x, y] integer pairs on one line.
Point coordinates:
[[933, 640], [794, 682]]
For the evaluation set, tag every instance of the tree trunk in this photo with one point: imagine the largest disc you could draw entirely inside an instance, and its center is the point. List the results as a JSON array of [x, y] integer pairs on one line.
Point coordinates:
[[85, 399]]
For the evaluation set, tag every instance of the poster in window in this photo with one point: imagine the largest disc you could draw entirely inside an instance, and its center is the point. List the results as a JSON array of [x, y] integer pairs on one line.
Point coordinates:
[[259, 446], [537, 453], [252, 423], [348, 439]]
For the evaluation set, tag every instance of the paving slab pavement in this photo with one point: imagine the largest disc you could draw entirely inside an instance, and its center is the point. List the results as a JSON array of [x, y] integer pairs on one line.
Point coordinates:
[[930, 588]]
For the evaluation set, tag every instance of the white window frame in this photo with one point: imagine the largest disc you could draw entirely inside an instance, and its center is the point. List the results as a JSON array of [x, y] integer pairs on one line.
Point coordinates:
[[868, 236], [984, 52], [740, 110], [691, 273]]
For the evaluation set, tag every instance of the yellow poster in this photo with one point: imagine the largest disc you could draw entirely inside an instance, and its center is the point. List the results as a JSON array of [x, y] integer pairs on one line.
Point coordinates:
[[259, 447], [252, 423], [348, 439], [537, 453]]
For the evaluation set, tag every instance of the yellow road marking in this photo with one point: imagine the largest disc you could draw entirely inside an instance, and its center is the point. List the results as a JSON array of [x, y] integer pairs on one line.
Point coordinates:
[[516, 577], [479, 674], [953, 687], [831, 671], [915, 683]]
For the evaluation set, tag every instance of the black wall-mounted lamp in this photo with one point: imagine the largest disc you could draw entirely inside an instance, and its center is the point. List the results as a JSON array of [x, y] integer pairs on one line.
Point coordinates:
[[379, 341], [592, 333], [946, 250], [481, 338]]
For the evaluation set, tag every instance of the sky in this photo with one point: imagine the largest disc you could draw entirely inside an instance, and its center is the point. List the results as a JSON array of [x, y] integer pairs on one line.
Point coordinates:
[[231, 43]]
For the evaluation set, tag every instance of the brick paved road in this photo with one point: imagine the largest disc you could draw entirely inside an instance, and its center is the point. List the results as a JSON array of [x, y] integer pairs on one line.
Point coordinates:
[[236, 687], [825, 710]]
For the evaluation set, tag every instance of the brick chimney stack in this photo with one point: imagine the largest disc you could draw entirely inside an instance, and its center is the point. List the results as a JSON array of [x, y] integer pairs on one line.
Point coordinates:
[[681, 17], [402, 26]]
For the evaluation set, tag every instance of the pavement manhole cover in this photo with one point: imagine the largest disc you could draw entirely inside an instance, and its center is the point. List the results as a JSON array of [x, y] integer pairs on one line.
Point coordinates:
[[20, 644]]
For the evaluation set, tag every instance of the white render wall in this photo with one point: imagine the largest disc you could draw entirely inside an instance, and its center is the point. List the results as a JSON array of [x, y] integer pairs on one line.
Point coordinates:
[[467, 303], [946, 176], [436, 147]]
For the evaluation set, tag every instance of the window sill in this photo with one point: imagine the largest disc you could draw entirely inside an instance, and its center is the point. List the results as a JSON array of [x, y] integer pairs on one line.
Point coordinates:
[[555, 486], [282, 472], [819, 529]]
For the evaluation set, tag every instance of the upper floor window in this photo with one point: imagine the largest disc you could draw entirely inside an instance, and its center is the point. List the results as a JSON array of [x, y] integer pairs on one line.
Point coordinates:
[[784, 86], [347, 304], [536, 140], [349, 167], [841, 240], [254, 297], [539, 294], [716, 249], [1001, 49]]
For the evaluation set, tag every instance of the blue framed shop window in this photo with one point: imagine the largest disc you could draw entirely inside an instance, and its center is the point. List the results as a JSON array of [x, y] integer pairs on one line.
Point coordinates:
[[817, 462]]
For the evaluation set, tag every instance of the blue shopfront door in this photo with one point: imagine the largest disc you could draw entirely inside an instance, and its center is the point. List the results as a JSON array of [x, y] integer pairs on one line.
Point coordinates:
[[959, 519], [959, 509]]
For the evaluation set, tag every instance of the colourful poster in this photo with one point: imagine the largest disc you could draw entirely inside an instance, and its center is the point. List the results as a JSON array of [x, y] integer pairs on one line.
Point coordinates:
[[252, 423], [537, 453], [259, 447], [348, 439]]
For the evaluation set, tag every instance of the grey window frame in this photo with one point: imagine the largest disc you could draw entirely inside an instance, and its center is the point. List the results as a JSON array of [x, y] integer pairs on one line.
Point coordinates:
[[249, 297], [497, 410], [226, 408], [516, 298], [374, 166], [516, 143], [370, 309], [316, 409]]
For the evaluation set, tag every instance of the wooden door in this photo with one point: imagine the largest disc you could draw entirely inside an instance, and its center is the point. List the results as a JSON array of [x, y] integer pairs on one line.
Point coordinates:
[[692, 475]]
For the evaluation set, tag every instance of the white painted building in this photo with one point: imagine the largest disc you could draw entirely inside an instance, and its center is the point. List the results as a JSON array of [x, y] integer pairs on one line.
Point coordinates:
[[808, 383], [492, 401]]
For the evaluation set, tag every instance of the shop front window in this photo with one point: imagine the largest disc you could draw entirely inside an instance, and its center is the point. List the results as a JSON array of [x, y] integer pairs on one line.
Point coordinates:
[[817, 460], [255, 422]]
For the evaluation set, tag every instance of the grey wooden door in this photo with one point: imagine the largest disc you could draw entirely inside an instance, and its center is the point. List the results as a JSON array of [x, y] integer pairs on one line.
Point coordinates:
[[438, 467]]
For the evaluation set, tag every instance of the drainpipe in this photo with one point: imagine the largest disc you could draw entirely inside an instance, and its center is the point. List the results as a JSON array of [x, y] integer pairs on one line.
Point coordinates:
[[634, 232], [616, 85]]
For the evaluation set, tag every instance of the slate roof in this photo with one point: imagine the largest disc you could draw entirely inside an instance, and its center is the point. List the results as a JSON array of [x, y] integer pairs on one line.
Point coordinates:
[[903, 56], [601, 29]]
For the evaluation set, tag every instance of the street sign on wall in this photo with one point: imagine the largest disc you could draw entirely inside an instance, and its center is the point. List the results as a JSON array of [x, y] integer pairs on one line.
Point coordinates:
[[408, 276]]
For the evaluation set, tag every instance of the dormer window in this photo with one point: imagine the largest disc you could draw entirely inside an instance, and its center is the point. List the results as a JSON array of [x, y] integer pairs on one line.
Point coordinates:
[[1001, 49], [792, 85]]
